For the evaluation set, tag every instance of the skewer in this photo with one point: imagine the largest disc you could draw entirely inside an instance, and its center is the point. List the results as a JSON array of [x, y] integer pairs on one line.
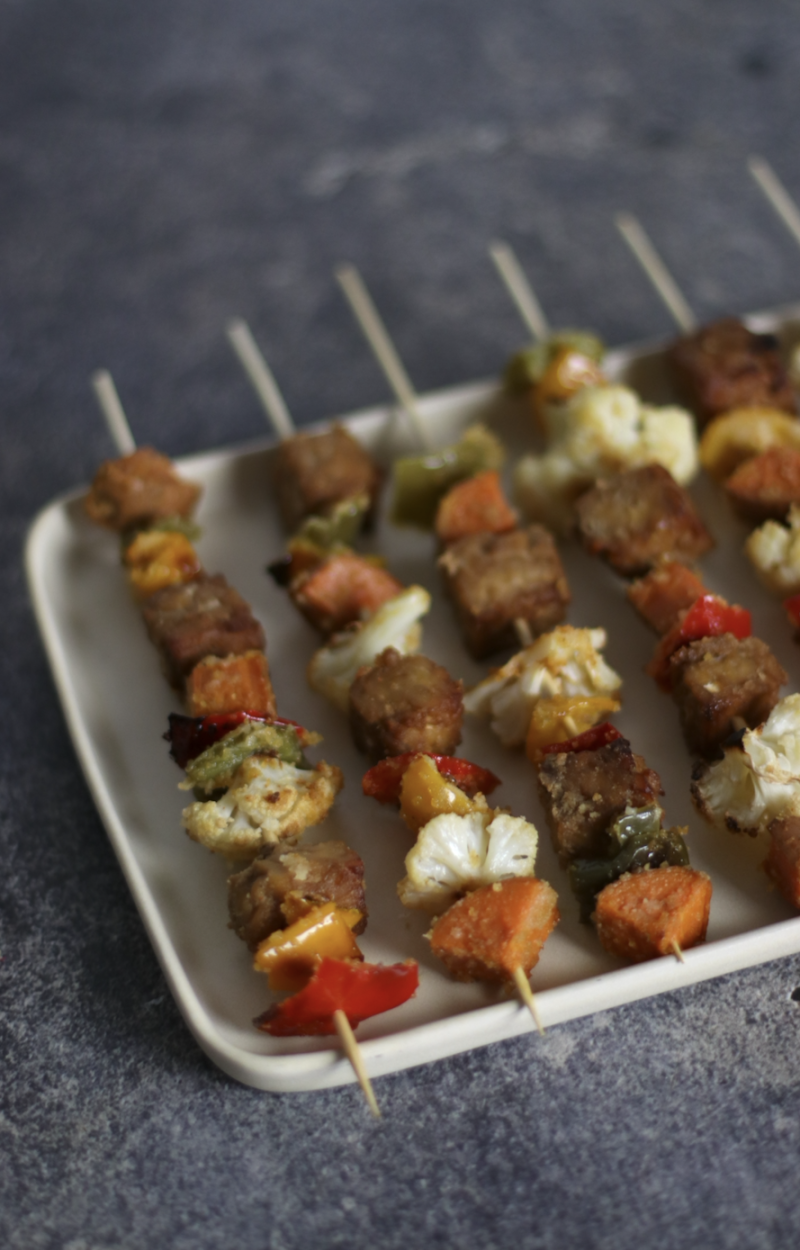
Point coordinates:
[[529, 999], [520, 290], [114, 413], [375, 332], [679, 955], [777, 194], [261, 377], [353, 1052], [647, 256]]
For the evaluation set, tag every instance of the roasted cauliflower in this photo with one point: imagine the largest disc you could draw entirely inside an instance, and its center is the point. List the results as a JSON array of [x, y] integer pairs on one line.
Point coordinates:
[[774, 552]]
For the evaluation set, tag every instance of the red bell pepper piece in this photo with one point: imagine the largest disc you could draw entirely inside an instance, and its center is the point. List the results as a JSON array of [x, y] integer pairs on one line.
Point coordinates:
[[384, 779], [792, 606], [708, 617], [190, 736], [359, 990], [592, 740]]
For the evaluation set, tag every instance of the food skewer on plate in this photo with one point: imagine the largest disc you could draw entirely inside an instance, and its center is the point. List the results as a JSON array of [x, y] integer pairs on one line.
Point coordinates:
[[308, 944]]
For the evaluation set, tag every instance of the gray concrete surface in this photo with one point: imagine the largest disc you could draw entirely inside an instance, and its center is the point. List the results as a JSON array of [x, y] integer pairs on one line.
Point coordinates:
[[164, 166]]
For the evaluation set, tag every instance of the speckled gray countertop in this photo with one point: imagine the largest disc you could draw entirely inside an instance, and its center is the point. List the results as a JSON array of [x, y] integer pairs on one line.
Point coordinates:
[[163, 167]]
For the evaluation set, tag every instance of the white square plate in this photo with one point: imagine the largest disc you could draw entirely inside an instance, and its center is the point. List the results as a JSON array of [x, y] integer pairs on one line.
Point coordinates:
[[116, 704]]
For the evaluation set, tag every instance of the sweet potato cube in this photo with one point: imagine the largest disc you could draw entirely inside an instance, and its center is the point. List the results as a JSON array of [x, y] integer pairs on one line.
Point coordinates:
[[765, 487], [646, 914], [475, 506], [664, 593], [496, 929], [782, 864], [344, 588], [233, 683]]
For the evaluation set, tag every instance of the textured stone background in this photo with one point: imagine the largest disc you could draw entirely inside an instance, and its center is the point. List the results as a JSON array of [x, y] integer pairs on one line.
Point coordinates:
[[164, 166]]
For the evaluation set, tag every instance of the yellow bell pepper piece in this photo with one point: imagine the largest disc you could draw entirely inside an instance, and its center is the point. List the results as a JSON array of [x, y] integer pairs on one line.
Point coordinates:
[[288, 956], [425, 793], [159, 558], [563, 717], [737, 435]]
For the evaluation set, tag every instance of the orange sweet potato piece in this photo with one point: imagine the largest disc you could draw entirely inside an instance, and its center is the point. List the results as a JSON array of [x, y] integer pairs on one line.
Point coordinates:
[[475, 506], [644, 914], [664, 593], [235, 683], [486, 935], [346, 587], [766, 486], [782, 864]]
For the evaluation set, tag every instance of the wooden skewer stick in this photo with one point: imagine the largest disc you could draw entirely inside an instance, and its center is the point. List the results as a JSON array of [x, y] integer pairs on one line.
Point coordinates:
[[520, 290], [376, 334], [777, 194], [677, 952], [526, 994], [114, 413], [351, 1049], [261, 377], [647, 256]]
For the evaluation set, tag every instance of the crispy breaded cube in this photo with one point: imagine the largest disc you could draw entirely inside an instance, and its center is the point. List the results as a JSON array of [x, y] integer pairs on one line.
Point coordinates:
[[765, 487], [496, 929], [280, 885], [724, 365], [636, 518], [139, 489], [343, 588], [647, 914], [159, 558], [315, 471], [782, 864], [405, 703], [717, 681], [475, 506], [203, 617], [495, 580], [583, 793], [665, 592], [230, 683]]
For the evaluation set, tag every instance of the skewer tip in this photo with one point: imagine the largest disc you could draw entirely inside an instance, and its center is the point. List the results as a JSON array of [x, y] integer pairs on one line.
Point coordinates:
[[677, 952], [526, 994], [353, 1052]]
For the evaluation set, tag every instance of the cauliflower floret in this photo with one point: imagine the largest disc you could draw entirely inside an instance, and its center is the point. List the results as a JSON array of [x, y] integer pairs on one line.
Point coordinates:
[[602, 429], [395, 624], [774, 552], [454, 854], [268, 802], [566, 662], [757, 781]]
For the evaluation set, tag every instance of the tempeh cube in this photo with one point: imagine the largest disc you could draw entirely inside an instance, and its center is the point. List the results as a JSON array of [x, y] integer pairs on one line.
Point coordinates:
[[203, 617], [139, 489], [724, 365], [636, 518], [495, 580], [405, 703], [718, 681], [315, 471], [782, 864]]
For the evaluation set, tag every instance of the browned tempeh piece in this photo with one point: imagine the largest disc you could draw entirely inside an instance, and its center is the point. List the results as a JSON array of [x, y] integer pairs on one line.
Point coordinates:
[[782, 864], [724, 365], [280, 885], [204, 617], [315, 471], [405, 703], [495, 580], [636, 518], [716, 681], [583, 792], [664, 593], [139, 489]]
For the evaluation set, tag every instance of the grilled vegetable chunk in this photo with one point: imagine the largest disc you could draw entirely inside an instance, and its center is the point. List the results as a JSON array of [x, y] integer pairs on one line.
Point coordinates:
[[314, 472], [497, 579], [782, 864], [666, 591], [227, 684], [583, 792], [724, 365], [405, 703], [715, 681], [344, 587], [203, 617], [765, 487], [280, 885], [474, 507], [635, 519], [137, 490], [774, 552], [645, 915], [496, 929]]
